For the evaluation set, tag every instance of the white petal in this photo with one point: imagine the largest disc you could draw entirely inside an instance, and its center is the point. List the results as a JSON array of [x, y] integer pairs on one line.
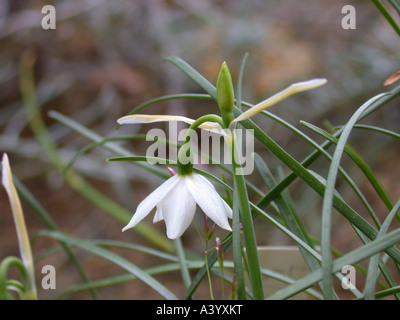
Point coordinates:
[[151, 201], [228, 209], [205, 195], [158, 216], [147, 118], [292, 89], [178, 209]]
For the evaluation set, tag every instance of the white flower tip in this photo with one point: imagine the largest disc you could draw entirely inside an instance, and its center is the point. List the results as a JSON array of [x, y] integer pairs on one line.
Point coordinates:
[[125, 120], [128, 226], [310, 84], [228, 228], [5, 169]]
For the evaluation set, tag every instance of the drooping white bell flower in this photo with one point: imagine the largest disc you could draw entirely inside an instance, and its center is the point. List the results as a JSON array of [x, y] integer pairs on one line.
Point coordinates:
[[176, 201]]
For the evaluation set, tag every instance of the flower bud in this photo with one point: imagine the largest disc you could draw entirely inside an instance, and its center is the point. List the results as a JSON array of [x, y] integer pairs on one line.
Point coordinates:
[[225, 94]]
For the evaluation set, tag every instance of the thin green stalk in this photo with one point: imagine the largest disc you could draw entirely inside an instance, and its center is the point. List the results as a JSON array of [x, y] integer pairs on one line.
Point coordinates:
[[208, 271], [248, 230], [4, 267], [237, 247], [396, 5], [382, 193], [373, 271], [350, 258], [239, 84], [387, 292], [112, 257], [327, 205]]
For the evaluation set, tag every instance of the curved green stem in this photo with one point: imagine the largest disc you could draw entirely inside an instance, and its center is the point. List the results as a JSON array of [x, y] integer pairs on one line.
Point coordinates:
[[185, 160], [4, 266]]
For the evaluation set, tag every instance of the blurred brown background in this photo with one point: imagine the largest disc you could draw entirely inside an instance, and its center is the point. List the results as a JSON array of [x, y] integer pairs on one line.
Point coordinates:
[[106, 57]]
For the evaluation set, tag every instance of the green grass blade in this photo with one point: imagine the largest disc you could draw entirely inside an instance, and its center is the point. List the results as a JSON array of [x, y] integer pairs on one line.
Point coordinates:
[[194, 75], [351, 258], [298, 170], [292, 222], [182, 262], [322, 151], [110, 256], [387, 15], [378, 129], [239, 84], [96, 138], [136, 247], [373, 270], [395, 4], [327, 205], [387, 292], [360, 163]]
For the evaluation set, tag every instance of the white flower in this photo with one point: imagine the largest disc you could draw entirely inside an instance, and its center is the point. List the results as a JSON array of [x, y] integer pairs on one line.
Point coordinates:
[[176, 201]]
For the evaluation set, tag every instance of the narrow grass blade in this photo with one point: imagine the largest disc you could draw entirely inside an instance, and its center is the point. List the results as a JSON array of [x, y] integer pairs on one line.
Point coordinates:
[[237, 248], [110, 256], [387, 15], [240, 82], [396, 5], [194, 75], [327, 205], [292, 222], [351, 258], [182, 262], [359, 162], [373, 270], [378, 129]]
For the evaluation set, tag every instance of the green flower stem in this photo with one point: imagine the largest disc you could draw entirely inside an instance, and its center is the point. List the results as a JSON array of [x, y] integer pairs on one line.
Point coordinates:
[[185, 161], [237, 248], [248, 229], [205, 118]]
